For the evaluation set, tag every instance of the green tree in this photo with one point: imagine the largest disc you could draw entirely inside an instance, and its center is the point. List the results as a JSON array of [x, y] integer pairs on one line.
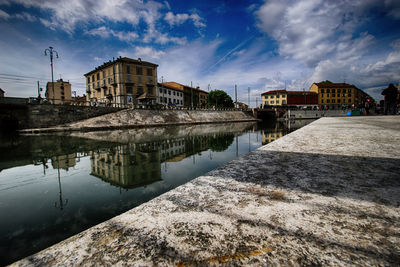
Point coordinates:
[[219, 99], [327, 81]]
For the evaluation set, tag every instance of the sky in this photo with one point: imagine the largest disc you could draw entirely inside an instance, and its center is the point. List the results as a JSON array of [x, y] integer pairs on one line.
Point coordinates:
[[262, 45]]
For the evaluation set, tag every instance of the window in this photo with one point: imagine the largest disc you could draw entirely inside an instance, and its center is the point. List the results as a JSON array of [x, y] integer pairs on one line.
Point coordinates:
[[161, 99], [181, 102], [322, 90], [338, 90], [88, 86], [140, 90], [165, 100], [338, 100], [160, 90], [333, 91], [272, 102], [322, 101], [88, 79], [174, 93], [128, 69], [349, 94], [322, 95], [272, 96], [98, 76], [333, 100], [139, 79], [92, 78], [129, 90], [169, 100], [333, 95], [328, 91], [349, 90], [139, 71], [349, 100], [150, 91], [328, 101], [149, 72], [169, 92], [104, 74]]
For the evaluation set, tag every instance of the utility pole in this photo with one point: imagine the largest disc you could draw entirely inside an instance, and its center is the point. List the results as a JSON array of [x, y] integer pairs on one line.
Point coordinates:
[[51, 52], [236, 95], [256, 102], [38, 90], [248, 96], [191, 92], [208, 89]]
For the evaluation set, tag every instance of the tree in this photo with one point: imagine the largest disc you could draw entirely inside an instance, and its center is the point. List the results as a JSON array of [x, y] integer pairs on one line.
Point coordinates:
[[327, 81], [219, 99]]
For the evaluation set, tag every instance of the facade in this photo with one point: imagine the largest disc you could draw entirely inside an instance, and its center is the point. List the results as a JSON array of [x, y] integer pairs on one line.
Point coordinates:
[[338, 94], [169, 95], [289, 98], [122, 81], [240, 105], [61, 94], [192, 97], [1, 92]]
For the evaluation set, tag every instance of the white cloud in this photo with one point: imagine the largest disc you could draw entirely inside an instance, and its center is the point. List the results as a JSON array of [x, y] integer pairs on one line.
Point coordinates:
[[25, 16], [179, 19], [324, 36], [146, 53], [4, 15], [105, 32]]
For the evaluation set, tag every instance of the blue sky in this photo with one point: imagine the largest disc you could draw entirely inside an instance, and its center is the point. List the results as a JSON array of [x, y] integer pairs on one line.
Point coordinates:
[[263, 45]]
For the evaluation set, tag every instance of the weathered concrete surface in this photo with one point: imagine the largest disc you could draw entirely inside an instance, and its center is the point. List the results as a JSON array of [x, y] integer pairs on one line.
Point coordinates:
[[133, 118], [326, 194]]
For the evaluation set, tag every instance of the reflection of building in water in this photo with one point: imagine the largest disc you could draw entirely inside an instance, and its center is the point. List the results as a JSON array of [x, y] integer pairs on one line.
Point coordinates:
[[63, 161], [171, 148], [127, 166], [271, 135]]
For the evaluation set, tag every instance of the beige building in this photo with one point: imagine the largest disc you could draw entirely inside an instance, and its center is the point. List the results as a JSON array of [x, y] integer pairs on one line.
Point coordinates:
[[122, 81], [337, 94], [61, 93]]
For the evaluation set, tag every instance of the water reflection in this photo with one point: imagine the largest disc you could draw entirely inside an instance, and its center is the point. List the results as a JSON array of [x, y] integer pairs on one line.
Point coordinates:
[[52, 187]]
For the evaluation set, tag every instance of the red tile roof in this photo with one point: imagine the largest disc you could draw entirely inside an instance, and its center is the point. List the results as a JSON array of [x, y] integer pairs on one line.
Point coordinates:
[[335, 85]]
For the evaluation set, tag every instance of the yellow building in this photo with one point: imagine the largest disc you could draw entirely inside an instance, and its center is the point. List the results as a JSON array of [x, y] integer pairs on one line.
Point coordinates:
[[337, 94], [126, 167], [122, 81], [61, 93]]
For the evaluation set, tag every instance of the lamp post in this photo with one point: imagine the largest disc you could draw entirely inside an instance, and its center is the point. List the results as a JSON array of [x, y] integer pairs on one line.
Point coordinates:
[[51, 52]]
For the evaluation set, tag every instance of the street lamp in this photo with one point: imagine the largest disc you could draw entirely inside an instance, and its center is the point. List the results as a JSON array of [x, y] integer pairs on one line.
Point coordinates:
[[51, 51]]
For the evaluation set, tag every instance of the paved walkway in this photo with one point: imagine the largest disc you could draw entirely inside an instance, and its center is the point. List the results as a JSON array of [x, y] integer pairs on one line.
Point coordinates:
[[326, 194]]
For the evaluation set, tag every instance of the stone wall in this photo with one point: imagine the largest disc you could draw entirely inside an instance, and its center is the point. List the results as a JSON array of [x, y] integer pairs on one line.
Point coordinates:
[[23, 116]]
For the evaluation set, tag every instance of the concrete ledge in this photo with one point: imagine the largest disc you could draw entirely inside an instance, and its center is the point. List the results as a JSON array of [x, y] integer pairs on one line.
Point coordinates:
[[322, 195]]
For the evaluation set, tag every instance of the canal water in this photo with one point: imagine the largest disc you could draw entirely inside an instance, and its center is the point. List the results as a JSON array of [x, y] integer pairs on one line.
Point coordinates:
[[55, 186]]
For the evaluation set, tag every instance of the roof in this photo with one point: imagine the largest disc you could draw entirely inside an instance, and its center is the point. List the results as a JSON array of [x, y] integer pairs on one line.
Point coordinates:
[[1, 90], [122, 60], [171, 85], [335, 85], [146, 96], [273, 92]]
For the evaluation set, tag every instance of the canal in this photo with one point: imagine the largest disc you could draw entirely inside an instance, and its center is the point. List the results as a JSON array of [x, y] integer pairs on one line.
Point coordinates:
[[55, 186]]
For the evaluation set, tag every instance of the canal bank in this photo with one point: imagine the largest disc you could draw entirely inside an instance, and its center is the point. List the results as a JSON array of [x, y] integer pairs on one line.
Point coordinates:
[[138, 118], [326, 194]]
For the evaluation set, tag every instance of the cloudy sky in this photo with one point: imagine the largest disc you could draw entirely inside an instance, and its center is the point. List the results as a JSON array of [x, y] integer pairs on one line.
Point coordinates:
[[263, 45]]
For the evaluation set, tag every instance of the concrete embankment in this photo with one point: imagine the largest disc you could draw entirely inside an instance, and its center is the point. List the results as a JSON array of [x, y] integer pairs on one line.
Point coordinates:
[[133, 118], [327, 194]]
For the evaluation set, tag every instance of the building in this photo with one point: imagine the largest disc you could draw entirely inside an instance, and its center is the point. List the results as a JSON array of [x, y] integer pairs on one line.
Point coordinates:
[[122, 81], [289, 98], [338, 94], [79, 100], [170, 94], [61, 93], [1, 92], [240, 105], [192, 97]]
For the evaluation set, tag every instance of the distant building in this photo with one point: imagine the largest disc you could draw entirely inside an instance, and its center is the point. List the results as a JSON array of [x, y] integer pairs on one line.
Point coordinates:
[[337, 94], [79, 100], [240, 105], [1, 92], [289, 98], [61, 93], [122, 81], [192, 97], [170, 95]]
